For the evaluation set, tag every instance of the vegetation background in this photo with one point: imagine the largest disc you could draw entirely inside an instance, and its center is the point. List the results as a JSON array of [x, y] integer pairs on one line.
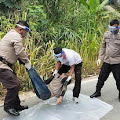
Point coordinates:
[[74, 24]]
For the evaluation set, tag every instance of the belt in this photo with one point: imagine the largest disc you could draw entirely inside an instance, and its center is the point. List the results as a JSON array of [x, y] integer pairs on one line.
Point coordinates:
[[5, 62]]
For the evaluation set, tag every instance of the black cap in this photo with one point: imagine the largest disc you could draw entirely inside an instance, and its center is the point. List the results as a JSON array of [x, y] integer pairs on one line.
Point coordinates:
[[57, 50], [113, 22]]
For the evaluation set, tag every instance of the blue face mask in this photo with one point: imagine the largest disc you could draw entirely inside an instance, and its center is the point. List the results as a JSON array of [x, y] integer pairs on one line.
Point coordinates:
[[114, 32], [60, 59]]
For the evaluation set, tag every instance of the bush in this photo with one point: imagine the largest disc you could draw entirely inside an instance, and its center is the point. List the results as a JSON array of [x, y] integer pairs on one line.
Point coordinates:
[[9, 5]]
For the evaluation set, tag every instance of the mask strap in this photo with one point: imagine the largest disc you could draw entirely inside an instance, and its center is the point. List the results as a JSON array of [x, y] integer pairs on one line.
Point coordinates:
[[113, 27], [57, 55], [24, 27]]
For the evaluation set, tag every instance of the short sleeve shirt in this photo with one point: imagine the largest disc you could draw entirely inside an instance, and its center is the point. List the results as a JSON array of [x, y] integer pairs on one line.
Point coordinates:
[[72, 57]]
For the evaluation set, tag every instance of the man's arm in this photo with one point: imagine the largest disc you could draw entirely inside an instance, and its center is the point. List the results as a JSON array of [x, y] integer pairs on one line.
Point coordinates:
[[102, 50], [21, 54], [57, 66], [71, 70], [48, 80], [19, 50], [64, 88]]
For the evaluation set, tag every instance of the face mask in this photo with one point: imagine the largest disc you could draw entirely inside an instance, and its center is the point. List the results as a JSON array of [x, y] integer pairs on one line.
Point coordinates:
[[113, 29], [60, 59], [114, 32]]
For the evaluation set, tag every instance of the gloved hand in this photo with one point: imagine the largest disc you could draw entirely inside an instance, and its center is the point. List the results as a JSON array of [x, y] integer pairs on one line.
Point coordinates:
[[55, 72], [64, 81], [28, 65], [98, 62], [69, 78]]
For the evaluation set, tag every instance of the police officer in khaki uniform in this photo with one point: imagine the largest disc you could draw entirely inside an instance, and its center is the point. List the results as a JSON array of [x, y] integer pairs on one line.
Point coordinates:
[[110, 54], [11, 49]]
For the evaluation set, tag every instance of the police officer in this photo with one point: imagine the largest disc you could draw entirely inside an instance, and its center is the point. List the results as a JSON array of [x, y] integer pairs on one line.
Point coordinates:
[[110, 54], [11, 49], [68, 59]]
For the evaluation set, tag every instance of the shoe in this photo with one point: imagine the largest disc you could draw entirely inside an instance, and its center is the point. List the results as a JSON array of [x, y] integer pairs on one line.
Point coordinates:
[[75, 99], [96, 94], [20, 108], [11, 111]]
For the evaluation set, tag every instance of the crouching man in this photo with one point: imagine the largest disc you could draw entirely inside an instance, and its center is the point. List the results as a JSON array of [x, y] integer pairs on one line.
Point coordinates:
[[69, 60]]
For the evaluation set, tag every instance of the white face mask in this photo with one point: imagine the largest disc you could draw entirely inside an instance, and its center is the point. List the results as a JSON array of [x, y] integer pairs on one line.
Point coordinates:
[[60, 59]]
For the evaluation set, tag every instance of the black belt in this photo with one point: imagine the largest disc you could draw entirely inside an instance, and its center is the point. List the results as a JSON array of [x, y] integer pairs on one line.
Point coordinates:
[[5, 62]]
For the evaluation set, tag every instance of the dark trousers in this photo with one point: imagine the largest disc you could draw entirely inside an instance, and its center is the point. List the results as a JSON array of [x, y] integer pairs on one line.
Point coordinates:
[[77, 70], [104, 73], [11, 82]]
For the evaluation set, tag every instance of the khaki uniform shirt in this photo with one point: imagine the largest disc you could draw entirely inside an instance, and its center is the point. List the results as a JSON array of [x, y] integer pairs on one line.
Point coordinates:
[[56, 87], [11, 48], [110, 49]]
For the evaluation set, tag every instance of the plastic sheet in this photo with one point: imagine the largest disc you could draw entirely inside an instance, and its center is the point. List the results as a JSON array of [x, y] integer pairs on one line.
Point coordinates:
[[86, 109]]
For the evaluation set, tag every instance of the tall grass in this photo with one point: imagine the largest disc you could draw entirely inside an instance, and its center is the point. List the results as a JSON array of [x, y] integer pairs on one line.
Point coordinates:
[[75, 28]]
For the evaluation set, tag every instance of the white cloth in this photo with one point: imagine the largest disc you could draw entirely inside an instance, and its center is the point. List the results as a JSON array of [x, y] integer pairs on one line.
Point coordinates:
[[72, 57]]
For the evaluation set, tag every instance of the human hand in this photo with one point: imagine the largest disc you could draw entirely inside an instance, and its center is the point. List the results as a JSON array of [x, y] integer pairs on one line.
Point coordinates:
[[55, 72], [98, 62], [28, 55], [59, 100], [69, 78], [28, 65]]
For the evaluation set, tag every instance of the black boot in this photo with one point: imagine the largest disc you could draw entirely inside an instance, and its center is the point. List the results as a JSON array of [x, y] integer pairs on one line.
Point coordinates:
[[20, 107], [11, 111], [96, 94]]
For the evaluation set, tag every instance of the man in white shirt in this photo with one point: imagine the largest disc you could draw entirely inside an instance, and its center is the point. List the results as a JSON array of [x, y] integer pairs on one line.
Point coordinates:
[[68, 59]]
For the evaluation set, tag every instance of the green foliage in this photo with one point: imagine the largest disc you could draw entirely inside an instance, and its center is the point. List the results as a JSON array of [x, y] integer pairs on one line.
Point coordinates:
[[74, 24], [94, 5], [37, 18], [52, 8], [9, 5], [5, 24], [103, 4]]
